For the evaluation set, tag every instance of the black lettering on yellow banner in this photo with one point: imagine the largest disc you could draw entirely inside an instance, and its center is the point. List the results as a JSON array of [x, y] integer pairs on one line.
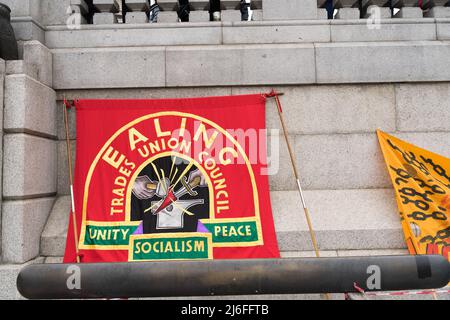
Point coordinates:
[[421, 180]]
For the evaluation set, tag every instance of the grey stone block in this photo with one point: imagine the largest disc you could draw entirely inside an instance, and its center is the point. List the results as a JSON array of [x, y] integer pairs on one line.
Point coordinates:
[[146, 35], [387, 32], [106, 68], [438, 12], [261, 32], [63, 172], [21, 67], [107, 5], [443, 29], [29, 167], [344, 161], [54, 260], [26, 29], [282, 177], [29, 106], [22, 225], [409, 12], [423, 107], [230, 15], [289, 9], [167, 17], [35, 53], [238, 64], [199, 16], [137, 5], [347, 14], [322, 14], [8, 279], [383, 62], [331, 109], [104, 18], [342, 220], [257, 15], [136, 17], [55, 12], [53, 239], [145, 93], [24, 8]]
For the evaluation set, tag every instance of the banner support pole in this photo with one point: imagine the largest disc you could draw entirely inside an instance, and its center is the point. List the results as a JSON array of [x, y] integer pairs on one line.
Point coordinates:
[[274, 94], [69, 163]]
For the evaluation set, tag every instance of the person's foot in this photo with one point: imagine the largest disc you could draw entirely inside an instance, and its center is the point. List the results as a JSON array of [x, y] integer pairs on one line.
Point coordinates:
[[246, 11], [153, 13]]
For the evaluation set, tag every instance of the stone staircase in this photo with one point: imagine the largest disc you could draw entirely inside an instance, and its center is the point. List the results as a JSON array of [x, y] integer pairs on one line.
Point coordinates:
[[341, 81]]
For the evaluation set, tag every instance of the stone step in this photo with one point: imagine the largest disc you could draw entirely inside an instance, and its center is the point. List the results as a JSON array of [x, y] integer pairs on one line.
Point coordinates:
[[238, 32], [343, 220], [284, 64]]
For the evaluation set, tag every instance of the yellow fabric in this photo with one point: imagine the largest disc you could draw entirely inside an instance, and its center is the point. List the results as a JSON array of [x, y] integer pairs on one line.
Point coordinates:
[[421, 180]]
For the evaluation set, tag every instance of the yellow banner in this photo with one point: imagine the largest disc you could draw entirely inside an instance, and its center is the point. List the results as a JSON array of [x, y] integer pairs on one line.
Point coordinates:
[[421, 181]]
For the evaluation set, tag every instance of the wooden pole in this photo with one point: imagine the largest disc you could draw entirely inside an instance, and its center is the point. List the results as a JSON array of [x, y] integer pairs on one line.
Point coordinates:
[[312, 234], [69, 163]]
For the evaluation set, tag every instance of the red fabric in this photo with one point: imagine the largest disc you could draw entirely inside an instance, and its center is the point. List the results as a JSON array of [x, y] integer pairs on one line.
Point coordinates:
[[99, 120]]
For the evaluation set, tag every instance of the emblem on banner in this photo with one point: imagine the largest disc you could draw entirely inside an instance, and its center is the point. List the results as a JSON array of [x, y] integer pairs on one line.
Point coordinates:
[[171, 176]]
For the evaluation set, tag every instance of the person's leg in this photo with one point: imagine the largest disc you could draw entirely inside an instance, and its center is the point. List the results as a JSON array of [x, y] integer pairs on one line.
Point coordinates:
[[153, 12], [246, 11], [183, 12]]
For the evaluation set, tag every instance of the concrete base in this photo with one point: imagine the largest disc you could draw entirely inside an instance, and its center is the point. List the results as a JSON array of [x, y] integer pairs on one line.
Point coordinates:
[[105, 18], [22, 224], [167, 17], [409, 12], [438, 12], [322, 14], [199, 16], [136, 17], [347, 14], [289, 9]]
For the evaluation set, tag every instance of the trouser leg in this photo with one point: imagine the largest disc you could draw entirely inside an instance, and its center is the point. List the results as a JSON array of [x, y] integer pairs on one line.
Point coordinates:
[[246, 11], [153, 12], [183, 12]]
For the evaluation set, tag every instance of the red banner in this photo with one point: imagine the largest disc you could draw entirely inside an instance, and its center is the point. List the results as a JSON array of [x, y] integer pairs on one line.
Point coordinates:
[[171, 179]]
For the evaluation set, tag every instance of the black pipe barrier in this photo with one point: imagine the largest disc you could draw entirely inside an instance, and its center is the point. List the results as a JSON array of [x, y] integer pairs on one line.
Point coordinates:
[[232, 277]]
